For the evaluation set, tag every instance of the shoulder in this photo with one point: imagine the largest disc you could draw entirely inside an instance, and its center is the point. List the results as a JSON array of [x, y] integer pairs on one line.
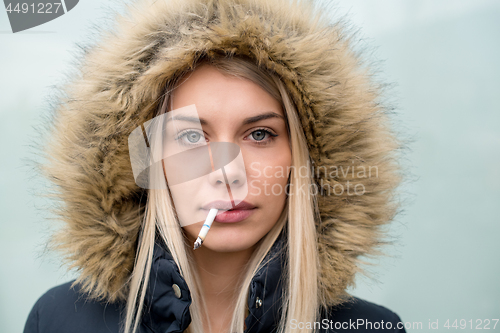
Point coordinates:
[[65, 309], [362, 316]]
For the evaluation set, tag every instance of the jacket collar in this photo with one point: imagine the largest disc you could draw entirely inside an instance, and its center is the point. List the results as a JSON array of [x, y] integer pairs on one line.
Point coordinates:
[[166, 310]]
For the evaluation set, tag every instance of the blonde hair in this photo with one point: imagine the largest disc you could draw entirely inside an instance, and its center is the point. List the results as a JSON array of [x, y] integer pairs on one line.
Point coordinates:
[[301, 300]]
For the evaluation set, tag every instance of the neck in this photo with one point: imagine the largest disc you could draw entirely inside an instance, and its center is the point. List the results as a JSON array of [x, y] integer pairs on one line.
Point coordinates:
[[220, 275], [219, 271]]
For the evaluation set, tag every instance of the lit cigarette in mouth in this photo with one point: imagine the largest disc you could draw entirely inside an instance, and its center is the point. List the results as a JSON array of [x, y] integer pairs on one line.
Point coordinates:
[[206, 226]]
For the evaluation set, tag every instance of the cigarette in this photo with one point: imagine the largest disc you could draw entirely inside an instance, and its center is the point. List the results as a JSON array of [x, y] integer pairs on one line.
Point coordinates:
[[206, 226]]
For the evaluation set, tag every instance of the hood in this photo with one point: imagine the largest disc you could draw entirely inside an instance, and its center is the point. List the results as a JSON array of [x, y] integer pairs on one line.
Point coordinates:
[[116, 87]]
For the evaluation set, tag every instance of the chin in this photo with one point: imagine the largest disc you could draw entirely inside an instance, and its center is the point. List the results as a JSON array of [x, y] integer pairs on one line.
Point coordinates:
[[219, 242], [228, 237]]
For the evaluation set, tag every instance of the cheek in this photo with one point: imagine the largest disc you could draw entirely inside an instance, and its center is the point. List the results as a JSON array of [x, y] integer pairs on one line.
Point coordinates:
[[192, 231], [269, 173]]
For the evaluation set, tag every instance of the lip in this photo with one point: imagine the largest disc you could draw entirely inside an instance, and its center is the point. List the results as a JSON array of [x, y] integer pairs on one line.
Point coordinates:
[[240, 212], [232, 216], [227, 205]]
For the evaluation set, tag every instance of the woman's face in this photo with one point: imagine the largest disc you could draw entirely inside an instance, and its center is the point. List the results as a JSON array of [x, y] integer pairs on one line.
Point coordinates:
[[228, 108]]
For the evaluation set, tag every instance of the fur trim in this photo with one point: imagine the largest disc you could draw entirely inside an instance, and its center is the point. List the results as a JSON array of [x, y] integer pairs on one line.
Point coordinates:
[[118, 86]]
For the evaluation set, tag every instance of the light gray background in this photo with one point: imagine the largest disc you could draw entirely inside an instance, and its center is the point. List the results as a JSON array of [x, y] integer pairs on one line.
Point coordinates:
[[443, 57]]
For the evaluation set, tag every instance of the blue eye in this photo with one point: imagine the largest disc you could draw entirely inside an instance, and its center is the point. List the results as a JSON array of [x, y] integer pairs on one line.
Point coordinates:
[[193, 137], [190, 137], [260, 134]]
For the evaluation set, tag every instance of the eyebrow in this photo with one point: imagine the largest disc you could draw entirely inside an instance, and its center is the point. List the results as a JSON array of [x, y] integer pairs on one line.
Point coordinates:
[[250, 120], [262, 116]]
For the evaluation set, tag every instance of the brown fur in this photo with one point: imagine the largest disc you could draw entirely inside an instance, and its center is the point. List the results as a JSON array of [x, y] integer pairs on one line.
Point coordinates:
[[119, 86]]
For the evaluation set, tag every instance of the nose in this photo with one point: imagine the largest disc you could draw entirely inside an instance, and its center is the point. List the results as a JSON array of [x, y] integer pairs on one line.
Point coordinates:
[[227, 176], [229, 173]]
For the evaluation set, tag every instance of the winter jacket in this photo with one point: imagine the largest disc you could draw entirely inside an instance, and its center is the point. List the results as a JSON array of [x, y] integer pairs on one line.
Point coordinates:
[[116, 87], [63, 309]]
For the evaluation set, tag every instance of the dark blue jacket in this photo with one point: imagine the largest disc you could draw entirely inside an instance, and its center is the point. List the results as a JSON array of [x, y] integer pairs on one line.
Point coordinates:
[[63, 309]]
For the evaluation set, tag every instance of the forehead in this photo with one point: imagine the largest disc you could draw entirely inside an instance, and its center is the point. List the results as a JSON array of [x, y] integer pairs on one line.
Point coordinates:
[[216, 93]]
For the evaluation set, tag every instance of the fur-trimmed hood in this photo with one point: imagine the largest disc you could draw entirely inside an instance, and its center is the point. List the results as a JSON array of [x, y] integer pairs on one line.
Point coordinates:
[[117, 87]]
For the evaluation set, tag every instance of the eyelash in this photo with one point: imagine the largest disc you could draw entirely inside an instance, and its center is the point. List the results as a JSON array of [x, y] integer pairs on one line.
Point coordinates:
[[261, 142]]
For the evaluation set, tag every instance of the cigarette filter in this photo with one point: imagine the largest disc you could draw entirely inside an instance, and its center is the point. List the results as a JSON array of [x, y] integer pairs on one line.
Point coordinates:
[[206, 226]]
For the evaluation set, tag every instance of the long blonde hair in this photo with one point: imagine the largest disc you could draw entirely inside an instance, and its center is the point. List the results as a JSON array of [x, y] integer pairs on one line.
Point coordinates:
[[301, 300]]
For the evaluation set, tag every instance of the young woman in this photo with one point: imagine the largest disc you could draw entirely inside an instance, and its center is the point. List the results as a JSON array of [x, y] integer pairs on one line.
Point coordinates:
[[314, 186]]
